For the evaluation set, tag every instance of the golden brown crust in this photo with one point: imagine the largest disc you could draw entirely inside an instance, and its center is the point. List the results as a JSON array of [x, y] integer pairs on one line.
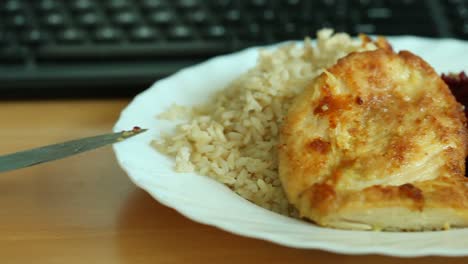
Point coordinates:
[[319, 145], [378, 130], [380, 42]]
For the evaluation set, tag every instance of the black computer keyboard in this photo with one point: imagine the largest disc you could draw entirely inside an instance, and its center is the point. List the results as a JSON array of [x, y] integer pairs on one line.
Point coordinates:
[[57, 48]]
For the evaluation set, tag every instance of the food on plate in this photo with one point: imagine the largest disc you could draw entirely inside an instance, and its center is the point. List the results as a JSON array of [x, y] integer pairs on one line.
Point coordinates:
[[458, 84], [233, 137], [377, 141], [373, 139]]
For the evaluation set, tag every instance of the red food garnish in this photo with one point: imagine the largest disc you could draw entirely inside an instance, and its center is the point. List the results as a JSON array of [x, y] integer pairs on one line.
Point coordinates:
[[453, 79], [136, 128], [458, 84]]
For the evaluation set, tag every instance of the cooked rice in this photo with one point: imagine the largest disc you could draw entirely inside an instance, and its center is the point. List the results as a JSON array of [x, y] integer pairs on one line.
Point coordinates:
[[233, 137]]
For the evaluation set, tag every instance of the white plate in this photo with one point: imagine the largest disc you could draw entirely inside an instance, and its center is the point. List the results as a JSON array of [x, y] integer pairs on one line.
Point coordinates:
[[204, 200]]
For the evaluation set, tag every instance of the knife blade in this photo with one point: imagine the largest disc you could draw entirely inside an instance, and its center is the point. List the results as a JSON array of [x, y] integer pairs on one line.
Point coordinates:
[[43, 154]]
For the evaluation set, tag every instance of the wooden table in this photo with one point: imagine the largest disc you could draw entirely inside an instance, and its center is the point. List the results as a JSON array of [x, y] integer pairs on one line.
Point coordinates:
[[84, 209]]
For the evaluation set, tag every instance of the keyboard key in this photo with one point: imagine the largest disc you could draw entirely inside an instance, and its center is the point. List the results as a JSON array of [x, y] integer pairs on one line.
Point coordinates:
[[403, 3], [288, 31], [268, 15], [108, 34], [180, 32], [126, 18], [258, 3], [462, 12], [457, 11], [118, 4], [233, 16], [222, 4], [54, 20], [329, 2], [386, 15], [365, 28], [371, 3], [12, 6], [461, 30], [71, 35], [18, 21], [162, 17], [33, 36], [187, 4], [198, 16], [153, 4], [144, 33], [464, 28], [82, 5], [250, 32], [379, 13], [292, 3], [89, 19], [361, 3], [216, 32], [48, 5]]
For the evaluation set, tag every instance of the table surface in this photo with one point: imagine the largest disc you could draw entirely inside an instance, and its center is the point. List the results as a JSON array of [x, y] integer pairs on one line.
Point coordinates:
[[84, 209]]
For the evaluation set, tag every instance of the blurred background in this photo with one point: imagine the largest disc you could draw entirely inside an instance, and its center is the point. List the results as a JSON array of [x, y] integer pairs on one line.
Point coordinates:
[[117, 48]]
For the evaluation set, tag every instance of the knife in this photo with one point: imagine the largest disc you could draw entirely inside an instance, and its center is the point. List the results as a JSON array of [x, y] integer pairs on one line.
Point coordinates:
[[43, 154]]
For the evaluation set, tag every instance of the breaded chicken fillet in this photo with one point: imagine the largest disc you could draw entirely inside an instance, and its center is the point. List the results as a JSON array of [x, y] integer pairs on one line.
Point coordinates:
[[377, 142]]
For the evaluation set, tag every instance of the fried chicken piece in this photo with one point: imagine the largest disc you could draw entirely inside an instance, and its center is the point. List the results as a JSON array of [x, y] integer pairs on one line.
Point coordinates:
[[377, 142]]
